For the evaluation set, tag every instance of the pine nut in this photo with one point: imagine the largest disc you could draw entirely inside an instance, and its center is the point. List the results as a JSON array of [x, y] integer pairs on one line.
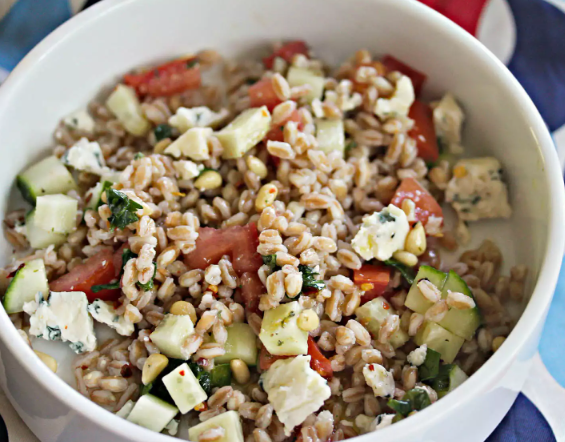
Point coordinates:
[[266, 196], [406, 258], [308, 320], [257, 166], [408, 208], [240, 371], [48, 360], [416, 240], [153, 366], [183, 308], [208, 180]]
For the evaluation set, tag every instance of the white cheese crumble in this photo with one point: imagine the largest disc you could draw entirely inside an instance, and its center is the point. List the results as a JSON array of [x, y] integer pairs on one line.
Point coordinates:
[[87, 156], [63, 317], [106, 314], [381, 421], [81, 121], [382, 234], [201, 116], [477, 191], [448, 120], [187, 170], [294, 390], [399, 104], [379, 379], [418, 356]]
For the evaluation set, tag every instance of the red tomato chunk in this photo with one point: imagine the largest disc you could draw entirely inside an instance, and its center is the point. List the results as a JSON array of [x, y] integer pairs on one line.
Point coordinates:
[[426, 205], [277, 132], [424, 131], [418, 79], [373, 279], [286, 52], [262, 93]]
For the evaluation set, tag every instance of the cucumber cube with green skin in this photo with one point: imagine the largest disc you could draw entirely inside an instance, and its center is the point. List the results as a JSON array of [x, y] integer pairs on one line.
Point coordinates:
[[450, 377], [415, 301], [239, 345], [153, 413], [439, 339], [39, 238], [280, 333], [220, 375], [330, 135], [125, 105], [170, 335], [229, 421], [26, 283], [243, 133], [56, 213], [300, 77], [463, 323], [373, 313], [47, 177], [184, 388]]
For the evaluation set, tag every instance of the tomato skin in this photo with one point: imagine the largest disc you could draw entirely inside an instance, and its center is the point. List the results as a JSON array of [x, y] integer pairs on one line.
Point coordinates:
[[378, 275], [251, 290], [262, 93], [210, 247], [167, 79], [277, 132], [266, 359], [318, 362], [286, 52], [426, 205], [96, 270], [424, 131], [417, 77], [245, 241]]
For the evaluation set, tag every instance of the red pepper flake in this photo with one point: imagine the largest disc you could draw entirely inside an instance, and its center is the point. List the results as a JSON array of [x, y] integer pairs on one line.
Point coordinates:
[[181, 372], [203, 362], [386, 306], [66, 327], [371, 367], [11, 275], [272, 190]]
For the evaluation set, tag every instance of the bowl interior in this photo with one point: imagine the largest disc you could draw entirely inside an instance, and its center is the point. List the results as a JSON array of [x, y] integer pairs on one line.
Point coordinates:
[[99, 49]]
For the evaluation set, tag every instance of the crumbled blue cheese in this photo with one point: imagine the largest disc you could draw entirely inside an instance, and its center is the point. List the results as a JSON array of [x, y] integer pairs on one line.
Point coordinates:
[[80, 121], [381, 234], [379, 379], [477, 191], [87, 156], [201, 116], [187, 170], [106, 314], [418, 356], [399, 104], [63, 317], [381, 421], [294, 390], [448, 120]]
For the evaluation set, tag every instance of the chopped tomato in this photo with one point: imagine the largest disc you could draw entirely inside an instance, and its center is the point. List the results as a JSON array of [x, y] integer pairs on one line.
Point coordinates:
[[373, 279], [426, 205], [424, 131], [277, 132], [251, 290], [318, 362], [418, 79], [210, 247], [168, 79], [266, 359], [262, 93], [286, 52], [96, 270]]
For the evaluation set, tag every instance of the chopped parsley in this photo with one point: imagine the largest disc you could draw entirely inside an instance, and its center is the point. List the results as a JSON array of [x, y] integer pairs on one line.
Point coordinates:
[[126, 256], [271, 261], [163, 131], [351, 145], [138, 156], [413, 400], [192, 63], [308, 278], [123, 209], [430, 368], [404, 270]]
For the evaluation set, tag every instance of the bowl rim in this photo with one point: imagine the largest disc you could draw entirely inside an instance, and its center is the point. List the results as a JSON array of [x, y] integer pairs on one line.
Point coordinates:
[[479, 382]]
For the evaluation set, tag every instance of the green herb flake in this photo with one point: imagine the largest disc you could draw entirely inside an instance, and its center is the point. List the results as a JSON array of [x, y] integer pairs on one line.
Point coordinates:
[[430, 368], [192, 63], [138, 156], [123, 209], [308, 278], [404, 270], [163, 131], [351, 145], [271, 261], [413, 400]]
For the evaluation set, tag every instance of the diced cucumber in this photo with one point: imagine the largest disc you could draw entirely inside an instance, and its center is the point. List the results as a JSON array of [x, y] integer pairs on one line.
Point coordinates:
[[192, 144], [153, 413], [47, 177], [280, 333], [126, 409], [184, 388], [439, 339], [26, 283], [373, 313], [171, 333], [330, 135], [124, 104], [220, 375], [300, 77], [415, 300], [93, 196], [244, 132], [450, 377], [56, 213], [240, 345], [463, 323], [39, 238], [229, 421]]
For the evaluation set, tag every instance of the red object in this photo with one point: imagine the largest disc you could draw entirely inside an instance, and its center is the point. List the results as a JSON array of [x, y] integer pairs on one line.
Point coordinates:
[[424, 131], [286, 52], [239, 242], [377, 275], [318, 362], [251, 290], [262, 93], [466, 13], [393, 64], [168, 79], [96, 270], [266, 359], [181, 372], [277, 132], [426, 205]]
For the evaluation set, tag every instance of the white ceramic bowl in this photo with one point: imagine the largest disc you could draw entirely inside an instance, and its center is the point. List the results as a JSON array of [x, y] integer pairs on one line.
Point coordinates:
[[67, 69]]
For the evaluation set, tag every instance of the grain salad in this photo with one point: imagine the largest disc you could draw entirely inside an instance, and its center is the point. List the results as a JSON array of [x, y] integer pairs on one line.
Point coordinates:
[[267, 242]]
